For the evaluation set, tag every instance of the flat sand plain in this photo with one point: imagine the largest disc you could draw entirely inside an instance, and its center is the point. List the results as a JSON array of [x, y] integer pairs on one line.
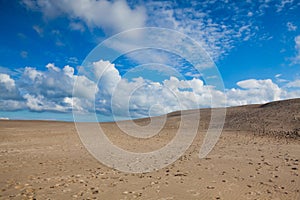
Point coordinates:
[[256, 157]]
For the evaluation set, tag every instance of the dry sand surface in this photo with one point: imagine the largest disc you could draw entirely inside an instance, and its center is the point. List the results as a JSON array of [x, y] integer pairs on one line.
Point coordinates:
[[256, 157]]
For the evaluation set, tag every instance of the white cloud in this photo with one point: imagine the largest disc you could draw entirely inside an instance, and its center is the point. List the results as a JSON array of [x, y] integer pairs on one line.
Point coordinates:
[[7, 82], [10, 98], [8, 89], [51, 66], [211, 28], [293, 84], [108, 74], [194, 75], [283, 4], [253, 91], [111, 16], [279, 79], [52, 90], [297, 41], [11, 105], [5, 70], [87, 88], [38, 30], [77, 26], [32, 73], [40, 103], [69, 71], [72, 60], [291, 26], [217, 35], [296, 59], [80, 105], [136, 96]]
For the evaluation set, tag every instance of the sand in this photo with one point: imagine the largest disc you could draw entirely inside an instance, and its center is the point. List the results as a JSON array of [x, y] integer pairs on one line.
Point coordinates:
[[256, 157]]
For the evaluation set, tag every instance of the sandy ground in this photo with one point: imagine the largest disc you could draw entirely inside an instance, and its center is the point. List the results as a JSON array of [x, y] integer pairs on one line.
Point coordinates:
[[256, 157]]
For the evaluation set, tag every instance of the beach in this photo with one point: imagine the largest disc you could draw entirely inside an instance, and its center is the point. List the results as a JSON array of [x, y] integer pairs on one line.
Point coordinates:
[[47, 160]]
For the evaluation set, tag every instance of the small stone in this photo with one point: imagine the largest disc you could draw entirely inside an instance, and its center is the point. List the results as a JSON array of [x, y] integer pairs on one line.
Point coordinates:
[[17, 187], [95, 192]]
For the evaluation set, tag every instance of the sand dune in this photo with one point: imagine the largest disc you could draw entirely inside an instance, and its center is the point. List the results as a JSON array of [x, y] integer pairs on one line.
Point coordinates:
[[256, 157]]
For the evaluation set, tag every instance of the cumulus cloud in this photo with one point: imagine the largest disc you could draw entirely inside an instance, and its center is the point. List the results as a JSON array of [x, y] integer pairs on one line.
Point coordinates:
[[111, 16], [8, 89], [10, 98], [253, 91], [56, 83], [12, 105], [49, 90], [107, 75], [103, 89], [141, 97], [40, 103]]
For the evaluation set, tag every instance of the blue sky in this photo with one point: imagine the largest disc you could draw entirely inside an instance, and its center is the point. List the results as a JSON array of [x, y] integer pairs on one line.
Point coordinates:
[[254, 44]]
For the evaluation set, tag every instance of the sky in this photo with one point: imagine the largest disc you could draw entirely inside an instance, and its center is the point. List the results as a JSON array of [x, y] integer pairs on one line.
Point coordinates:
[[47, 46]]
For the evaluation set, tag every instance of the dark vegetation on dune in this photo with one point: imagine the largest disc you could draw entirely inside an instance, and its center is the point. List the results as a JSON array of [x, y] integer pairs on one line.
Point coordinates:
[[280, 119]]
